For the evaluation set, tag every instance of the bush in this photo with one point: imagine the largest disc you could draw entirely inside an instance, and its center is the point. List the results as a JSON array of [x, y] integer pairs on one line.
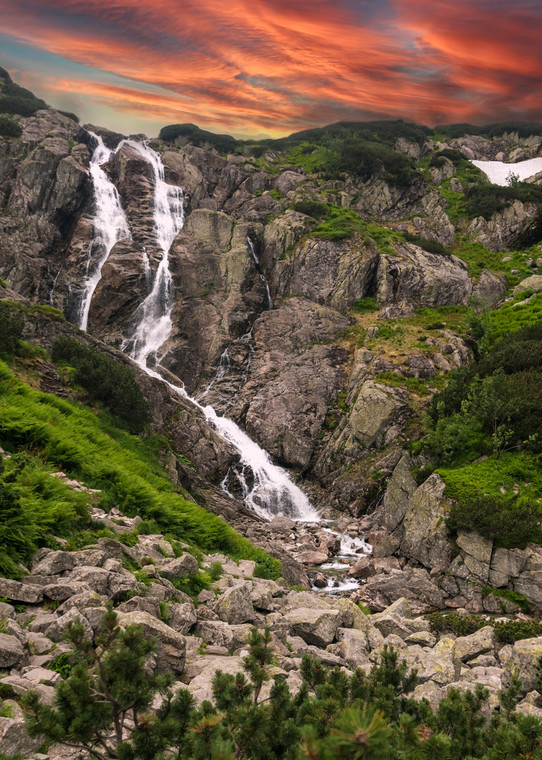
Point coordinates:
[[511, 523], [105, 380], [316, 209], [432, 246], [9, 128], [11, 327]]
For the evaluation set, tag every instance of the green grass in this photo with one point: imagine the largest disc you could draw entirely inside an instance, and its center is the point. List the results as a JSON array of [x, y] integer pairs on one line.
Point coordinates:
[[341, 224], [477, 258], [498, 498], [510, 317], [46, 433]]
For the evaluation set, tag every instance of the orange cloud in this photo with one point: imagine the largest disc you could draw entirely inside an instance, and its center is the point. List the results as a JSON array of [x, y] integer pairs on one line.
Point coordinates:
[[278, 65]]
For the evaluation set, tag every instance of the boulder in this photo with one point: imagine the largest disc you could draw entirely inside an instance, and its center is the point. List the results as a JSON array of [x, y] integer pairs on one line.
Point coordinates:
[[477, 643], [524, 659], [14, 739], [235, 605], [182, 617], [12, 653], [171, 646], [55, 563], [201, 686], [401, 487], [185, 565], [425, 537], [477, 553], [20, 592], [215, 633], [314, 626], [56, 630]]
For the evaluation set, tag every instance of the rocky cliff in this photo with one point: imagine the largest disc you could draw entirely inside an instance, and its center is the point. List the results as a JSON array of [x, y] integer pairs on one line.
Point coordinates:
[[318, 309]]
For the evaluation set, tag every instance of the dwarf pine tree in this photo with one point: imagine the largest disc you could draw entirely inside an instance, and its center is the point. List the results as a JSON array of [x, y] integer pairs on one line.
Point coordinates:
[[114, 707]]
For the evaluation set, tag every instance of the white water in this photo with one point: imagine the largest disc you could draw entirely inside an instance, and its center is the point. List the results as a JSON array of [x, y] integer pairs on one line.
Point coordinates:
[[500, 173], [256, 261], [109, 223], [154, 314], [272, 492]]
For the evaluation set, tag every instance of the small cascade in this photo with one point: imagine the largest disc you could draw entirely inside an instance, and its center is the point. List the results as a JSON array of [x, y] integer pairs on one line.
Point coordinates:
[[221, 371], [53, 286], [256, 261], [109, 222], [147, 267]]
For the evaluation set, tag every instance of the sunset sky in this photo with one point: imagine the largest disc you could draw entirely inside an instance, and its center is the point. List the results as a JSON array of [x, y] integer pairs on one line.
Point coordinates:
[[271, 67]]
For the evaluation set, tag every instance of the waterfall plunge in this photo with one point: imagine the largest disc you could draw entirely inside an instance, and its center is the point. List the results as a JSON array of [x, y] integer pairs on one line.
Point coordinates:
[[271, 492]]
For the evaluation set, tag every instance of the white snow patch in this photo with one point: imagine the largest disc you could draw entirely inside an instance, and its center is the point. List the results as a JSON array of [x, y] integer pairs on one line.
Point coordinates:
[[499, 173]]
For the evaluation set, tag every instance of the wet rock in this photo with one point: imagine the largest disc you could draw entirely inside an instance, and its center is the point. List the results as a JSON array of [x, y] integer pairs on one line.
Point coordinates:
[[312, 557]]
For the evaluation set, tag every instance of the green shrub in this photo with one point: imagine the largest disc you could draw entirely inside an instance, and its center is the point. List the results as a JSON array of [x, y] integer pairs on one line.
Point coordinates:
[[316, 209], [461, 625], [11, 327], [511, 523], [515, 630], [105, 380], [432, 246], [365, 305], [9, 128]]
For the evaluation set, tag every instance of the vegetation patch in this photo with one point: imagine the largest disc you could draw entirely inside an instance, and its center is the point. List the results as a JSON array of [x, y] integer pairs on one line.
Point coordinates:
[[44, 434], [105, 380]]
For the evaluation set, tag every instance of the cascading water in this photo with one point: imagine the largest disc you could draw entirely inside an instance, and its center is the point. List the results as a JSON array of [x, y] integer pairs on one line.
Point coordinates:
[[271, 491], [154, 314], [263, 278], [109, 222]]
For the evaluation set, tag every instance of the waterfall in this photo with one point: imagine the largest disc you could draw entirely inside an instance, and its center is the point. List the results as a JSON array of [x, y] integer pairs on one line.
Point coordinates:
[[263, 278], [271, 491], [154, 314], [109, 223]]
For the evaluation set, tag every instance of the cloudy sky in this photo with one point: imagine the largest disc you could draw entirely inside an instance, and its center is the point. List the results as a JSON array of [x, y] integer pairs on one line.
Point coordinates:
[[271, 67]]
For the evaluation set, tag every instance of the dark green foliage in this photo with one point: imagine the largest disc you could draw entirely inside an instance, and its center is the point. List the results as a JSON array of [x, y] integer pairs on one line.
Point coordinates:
[[9, 128], [200, 137], [523, 128], [365, 305], [317, 209], [461, 625], [333, 716], [510, 523], [433, 246], [11, 328], [71, 116], [16, 99], [515, 352], [366, 159], [105, 380], [515, 630], [485, 200], [508, 632]]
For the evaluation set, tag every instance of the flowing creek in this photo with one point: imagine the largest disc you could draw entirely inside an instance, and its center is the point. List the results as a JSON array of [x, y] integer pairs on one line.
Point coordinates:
[[265, 487]]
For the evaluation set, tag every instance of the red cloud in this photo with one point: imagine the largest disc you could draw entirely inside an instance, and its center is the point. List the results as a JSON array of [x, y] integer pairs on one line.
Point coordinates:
[[277, 66]]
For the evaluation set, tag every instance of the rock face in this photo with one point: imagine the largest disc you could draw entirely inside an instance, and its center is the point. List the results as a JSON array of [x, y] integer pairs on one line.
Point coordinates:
[[419, 278]]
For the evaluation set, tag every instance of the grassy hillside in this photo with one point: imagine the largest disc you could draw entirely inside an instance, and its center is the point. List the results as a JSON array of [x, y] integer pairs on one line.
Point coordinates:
[[42, 434]]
